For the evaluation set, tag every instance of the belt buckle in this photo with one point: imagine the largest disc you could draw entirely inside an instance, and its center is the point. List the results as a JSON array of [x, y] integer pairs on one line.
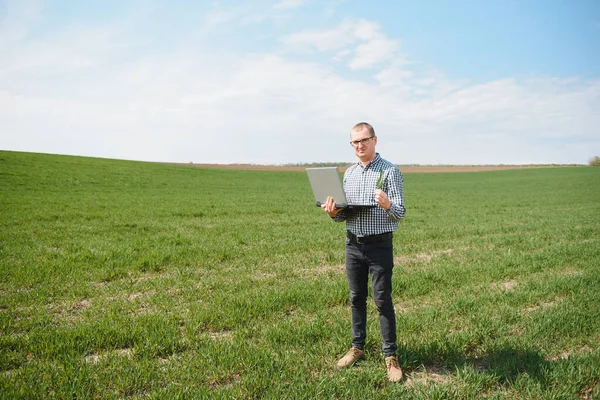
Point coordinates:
[[360, 240]]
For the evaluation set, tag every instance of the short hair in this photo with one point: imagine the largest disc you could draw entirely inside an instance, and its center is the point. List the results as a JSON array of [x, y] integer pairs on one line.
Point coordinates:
[[362, 125]]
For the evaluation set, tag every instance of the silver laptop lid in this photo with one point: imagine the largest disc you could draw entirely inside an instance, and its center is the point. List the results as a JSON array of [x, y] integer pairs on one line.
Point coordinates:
[[327, 181]]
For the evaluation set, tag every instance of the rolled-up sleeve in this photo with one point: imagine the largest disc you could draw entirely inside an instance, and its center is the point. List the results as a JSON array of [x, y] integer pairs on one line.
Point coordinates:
[[341, 216], [395, 183]]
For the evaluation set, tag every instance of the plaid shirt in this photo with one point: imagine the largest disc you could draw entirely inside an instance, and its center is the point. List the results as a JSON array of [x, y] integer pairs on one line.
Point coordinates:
[[360, 184]]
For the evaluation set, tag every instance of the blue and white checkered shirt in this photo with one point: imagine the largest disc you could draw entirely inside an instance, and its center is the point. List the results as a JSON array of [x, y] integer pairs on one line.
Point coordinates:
[[360, 184]]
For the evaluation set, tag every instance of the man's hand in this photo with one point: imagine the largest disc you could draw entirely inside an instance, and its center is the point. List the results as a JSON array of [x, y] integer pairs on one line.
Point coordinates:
[[382, 199], [329, 207]]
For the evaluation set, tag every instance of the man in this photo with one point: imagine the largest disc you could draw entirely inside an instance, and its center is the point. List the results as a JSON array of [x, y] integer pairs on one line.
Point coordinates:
[[369, 249]]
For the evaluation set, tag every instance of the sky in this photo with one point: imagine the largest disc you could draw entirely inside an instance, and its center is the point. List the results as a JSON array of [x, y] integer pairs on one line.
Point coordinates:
[[458, 82]]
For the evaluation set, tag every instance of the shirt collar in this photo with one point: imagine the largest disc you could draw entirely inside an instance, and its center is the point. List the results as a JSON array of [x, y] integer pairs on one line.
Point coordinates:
[[372, 162]]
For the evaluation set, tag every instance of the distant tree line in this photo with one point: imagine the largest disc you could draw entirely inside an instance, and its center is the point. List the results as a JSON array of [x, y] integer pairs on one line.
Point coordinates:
[[595, 162], [320, 164]]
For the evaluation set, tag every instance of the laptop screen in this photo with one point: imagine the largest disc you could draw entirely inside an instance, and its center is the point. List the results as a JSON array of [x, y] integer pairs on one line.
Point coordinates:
[[327, 181]]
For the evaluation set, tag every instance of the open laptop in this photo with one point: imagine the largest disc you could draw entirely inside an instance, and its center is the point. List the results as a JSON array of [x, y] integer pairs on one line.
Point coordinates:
[[327, 181]]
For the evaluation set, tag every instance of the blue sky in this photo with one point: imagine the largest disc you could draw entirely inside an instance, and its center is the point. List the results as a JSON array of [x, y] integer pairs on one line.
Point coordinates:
[[283, 81]]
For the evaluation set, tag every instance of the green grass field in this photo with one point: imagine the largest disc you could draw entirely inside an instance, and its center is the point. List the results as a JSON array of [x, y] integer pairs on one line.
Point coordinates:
[[126, 279]]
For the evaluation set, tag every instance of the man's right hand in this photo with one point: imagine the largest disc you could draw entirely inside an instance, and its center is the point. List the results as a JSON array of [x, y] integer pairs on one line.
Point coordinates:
[[329, 207]]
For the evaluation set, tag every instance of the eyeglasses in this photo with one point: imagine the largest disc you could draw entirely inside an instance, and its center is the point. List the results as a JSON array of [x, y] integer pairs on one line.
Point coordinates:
[[364, 141]]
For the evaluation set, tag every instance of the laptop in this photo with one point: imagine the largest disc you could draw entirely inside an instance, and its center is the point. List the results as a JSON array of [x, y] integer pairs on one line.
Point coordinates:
[[327, 181]]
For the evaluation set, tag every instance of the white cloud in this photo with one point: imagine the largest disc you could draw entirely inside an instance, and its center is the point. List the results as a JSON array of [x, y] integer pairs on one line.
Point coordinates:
[[289, 4], [367, 30], [196, 103], [73, 49], [373, 52], [323, 40], [331, 7], [363, 39], [218, 18]]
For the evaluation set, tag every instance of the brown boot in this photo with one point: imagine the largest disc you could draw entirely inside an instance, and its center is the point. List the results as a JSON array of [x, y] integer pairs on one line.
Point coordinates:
[[393, 369], [352, 356]]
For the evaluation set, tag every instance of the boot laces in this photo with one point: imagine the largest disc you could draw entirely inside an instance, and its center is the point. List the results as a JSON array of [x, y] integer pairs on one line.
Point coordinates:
[[392, 362]]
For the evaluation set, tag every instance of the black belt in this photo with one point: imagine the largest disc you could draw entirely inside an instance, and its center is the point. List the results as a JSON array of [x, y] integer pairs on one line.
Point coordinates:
[[369, 239]]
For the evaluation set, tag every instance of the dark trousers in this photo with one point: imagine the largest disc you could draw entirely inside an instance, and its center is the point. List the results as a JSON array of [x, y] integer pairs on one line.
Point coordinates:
[[376, 260]]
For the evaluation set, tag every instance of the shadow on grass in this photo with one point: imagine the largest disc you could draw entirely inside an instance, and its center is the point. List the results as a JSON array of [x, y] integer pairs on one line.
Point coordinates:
[[505, 363]]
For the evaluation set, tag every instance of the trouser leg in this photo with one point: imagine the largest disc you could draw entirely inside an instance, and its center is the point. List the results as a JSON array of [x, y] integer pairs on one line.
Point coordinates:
[[357, 273], [381, 263]]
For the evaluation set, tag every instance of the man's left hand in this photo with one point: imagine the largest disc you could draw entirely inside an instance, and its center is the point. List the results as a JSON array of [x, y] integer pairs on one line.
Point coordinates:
[[382, 199]]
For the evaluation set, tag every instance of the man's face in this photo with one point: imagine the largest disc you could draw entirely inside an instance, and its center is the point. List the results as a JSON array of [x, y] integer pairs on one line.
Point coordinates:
[[365, 151]]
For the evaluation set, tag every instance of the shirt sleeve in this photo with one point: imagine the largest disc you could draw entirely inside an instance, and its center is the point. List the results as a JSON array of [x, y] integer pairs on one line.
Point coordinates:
[[395, 183], [341, 216]]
